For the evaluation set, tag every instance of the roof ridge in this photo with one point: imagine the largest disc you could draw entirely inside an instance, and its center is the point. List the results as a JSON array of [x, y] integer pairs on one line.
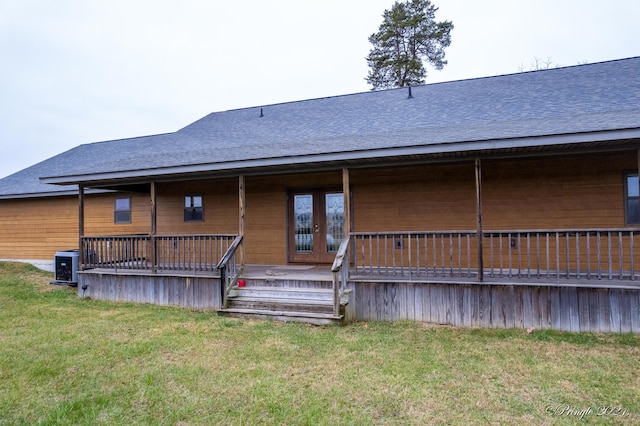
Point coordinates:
[[438, 83]]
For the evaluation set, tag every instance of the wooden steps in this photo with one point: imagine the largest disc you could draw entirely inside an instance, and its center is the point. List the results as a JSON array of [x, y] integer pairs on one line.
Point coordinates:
[[306, 301]]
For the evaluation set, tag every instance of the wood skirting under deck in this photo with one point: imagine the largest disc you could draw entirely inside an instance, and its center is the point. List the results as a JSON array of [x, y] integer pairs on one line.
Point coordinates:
[[541, 306], [581, 306], [195, 291]]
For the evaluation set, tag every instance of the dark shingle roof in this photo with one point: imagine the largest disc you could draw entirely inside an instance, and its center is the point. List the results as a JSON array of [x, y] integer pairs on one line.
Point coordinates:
[[572, 100]]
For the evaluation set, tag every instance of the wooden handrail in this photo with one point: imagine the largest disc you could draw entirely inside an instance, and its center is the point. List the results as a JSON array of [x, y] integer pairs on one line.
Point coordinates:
[[229, 271], [342, 251], [503, 231], [340, 273], [230, 252]]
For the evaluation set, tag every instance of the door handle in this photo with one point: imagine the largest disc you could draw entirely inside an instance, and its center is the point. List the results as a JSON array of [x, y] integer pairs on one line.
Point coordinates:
[[317, 228]]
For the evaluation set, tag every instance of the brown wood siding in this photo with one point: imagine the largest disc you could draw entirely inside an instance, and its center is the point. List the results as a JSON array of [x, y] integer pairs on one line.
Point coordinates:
[[433, 197], [37, 228], [579, 191], [266, 212], [556, 192], [219, 199], [99, 215]]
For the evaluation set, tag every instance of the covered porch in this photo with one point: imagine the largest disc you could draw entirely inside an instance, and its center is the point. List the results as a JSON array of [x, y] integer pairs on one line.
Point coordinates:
[[582, 278]]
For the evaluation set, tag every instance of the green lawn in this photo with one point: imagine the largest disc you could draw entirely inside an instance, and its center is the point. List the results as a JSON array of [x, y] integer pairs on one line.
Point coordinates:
[[69, 361]]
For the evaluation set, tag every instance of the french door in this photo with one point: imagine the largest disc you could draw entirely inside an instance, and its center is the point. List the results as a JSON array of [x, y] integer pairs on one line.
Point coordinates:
[[316, 225]]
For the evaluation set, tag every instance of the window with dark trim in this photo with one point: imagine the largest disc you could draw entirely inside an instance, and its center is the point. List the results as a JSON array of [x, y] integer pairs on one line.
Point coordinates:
[[122, 210], [632, 199], [193, 209]]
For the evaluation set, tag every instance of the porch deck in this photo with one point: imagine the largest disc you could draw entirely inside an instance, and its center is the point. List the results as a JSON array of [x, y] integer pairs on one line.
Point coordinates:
[[323, 273], [576, 280], [305, 293]]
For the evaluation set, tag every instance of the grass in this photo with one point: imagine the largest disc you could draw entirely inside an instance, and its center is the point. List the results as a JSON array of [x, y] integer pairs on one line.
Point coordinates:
[[69, 361]]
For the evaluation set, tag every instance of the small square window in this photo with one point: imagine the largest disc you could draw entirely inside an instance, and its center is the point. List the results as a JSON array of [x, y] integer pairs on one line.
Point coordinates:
[[122, 211], [193, 209], [632, 200]]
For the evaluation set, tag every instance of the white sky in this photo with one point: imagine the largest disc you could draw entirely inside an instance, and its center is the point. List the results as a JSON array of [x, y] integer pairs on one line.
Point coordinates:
[[80, 71]]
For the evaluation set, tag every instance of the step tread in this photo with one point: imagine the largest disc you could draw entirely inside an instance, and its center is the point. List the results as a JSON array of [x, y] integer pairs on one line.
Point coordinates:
[[275, 293], [285, 289], [282, 300], [282, 313]]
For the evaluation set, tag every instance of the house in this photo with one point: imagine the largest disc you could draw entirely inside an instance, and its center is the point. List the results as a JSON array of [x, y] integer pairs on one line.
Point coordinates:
[[507, 201]]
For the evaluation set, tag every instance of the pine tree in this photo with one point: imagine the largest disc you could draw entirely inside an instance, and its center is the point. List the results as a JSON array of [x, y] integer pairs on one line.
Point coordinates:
[[408, 36]]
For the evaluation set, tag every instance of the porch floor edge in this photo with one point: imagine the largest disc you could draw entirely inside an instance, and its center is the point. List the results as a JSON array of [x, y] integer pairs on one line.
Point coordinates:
[[595, 283]]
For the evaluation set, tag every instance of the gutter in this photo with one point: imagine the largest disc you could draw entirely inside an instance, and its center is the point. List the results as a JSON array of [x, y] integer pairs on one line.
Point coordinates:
[[379, 153], [69, 193]]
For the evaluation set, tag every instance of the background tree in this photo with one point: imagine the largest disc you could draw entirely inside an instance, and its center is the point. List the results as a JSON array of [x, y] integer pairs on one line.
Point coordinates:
[[408, 36], [539, 64]]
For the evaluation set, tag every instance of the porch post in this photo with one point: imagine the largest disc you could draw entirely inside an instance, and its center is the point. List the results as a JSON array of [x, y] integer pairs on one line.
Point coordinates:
[[241, 201], [154, 230], [346, 194], [80, 225], [479, 218]]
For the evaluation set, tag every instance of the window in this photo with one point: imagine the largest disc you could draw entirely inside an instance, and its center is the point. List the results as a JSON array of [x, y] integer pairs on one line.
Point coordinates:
[[122, 211], [193, 211], [632, 200]]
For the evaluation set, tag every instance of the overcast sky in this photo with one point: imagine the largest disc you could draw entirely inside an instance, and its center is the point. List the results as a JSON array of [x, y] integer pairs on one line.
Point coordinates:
[[80, 71]]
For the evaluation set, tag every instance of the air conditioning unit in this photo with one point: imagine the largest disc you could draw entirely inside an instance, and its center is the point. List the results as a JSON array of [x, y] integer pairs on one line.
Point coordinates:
[[66, 268]]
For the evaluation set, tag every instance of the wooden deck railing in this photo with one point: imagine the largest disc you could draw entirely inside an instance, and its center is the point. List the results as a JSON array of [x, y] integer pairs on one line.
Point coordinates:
[[229, 269], [191, 252], [197, 253], [612, 254], [117, 252]]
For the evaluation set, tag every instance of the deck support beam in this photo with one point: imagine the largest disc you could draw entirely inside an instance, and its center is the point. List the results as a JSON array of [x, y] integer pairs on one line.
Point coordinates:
[[241, 211], [478, 168], [80, 225]]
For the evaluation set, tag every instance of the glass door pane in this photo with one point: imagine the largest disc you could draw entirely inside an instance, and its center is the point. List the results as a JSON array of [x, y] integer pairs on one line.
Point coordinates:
[[303, 223], [334, 220]]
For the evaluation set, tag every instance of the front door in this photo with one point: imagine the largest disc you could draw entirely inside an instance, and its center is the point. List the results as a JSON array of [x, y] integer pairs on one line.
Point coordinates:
[[316, 225]]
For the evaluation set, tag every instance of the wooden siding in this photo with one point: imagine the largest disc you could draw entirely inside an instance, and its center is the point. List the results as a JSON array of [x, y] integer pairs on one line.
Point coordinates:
[[266, 213], [99, 215], [567, 192], [578, 191], [556, 192], [192, 292], [565, 308], [219, 198], [432, 197], [37, 228]]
